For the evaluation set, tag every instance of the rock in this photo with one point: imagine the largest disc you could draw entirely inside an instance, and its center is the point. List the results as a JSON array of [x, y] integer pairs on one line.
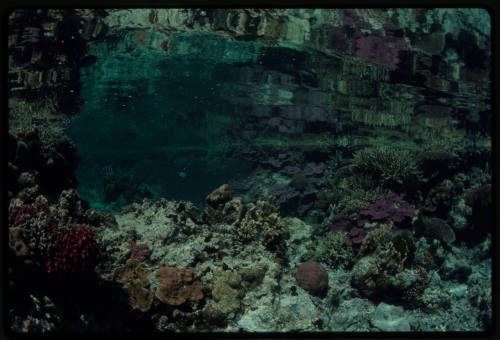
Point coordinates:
[[388, 318], [25, 180]]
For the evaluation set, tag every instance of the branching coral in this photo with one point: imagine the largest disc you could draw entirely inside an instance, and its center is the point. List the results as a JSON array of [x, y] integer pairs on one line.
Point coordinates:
[[392, 167], [354, 200], [334, 251], [263, 218], [258, 221]]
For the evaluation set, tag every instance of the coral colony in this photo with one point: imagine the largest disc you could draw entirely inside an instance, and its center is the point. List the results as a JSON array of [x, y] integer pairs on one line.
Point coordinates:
[[249, 170]]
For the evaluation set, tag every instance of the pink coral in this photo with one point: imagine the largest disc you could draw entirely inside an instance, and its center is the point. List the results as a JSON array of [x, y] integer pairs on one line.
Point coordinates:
[[75, 250]]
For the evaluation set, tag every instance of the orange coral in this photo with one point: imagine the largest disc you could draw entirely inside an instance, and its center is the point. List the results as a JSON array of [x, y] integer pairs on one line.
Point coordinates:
[[135, 277], [178, 285]]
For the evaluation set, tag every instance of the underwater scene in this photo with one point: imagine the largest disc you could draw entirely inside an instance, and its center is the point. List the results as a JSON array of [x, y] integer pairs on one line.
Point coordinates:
[[188, 170]]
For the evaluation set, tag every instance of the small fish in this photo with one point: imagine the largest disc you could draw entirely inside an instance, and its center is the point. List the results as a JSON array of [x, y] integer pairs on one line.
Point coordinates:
[[108, 169], [182, 174]]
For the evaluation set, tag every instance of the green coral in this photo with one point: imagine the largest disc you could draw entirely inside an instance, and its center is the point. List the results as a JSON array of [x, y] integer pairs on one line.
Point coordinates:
[[403, 242], [375, 239], [299, 181], [333, 251], [262, 221], [354, 200], [392, 167], [323, 199]]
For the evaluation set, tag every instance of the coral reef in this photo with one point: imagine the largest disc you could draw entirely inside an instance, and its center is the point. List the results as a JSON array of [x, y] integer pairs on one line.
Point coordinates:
[[479, 199], [405, 245], [299, 181], [279, 101], [438, 200], [381, 272], [51, 160], [263, 217], [259, 221], [139, 252], [335, 251]]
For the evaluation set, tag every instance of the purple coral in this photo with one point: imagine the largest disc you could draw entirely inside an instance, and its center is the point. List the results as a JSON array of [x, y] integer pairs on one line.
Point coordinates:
[[355, 236], [75, 250], [391, 207], [340, 222], [387, 208], [381, 46]]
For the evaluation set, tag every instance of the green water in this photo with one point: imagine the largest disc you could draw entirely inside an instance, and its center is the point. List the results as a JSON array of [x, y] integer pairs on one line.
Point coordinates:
[[159, 124]]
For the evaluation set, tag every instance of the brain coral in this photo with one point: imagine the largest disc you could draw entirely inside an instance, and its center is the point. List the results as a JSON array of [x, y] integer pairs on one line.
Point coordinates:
[[312, 277]]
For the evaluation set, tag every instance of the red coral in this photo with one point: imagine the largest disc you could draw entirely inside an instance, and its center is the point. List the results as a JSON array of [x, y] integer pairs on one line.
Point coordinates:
[[139, 251], [75, 251]]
